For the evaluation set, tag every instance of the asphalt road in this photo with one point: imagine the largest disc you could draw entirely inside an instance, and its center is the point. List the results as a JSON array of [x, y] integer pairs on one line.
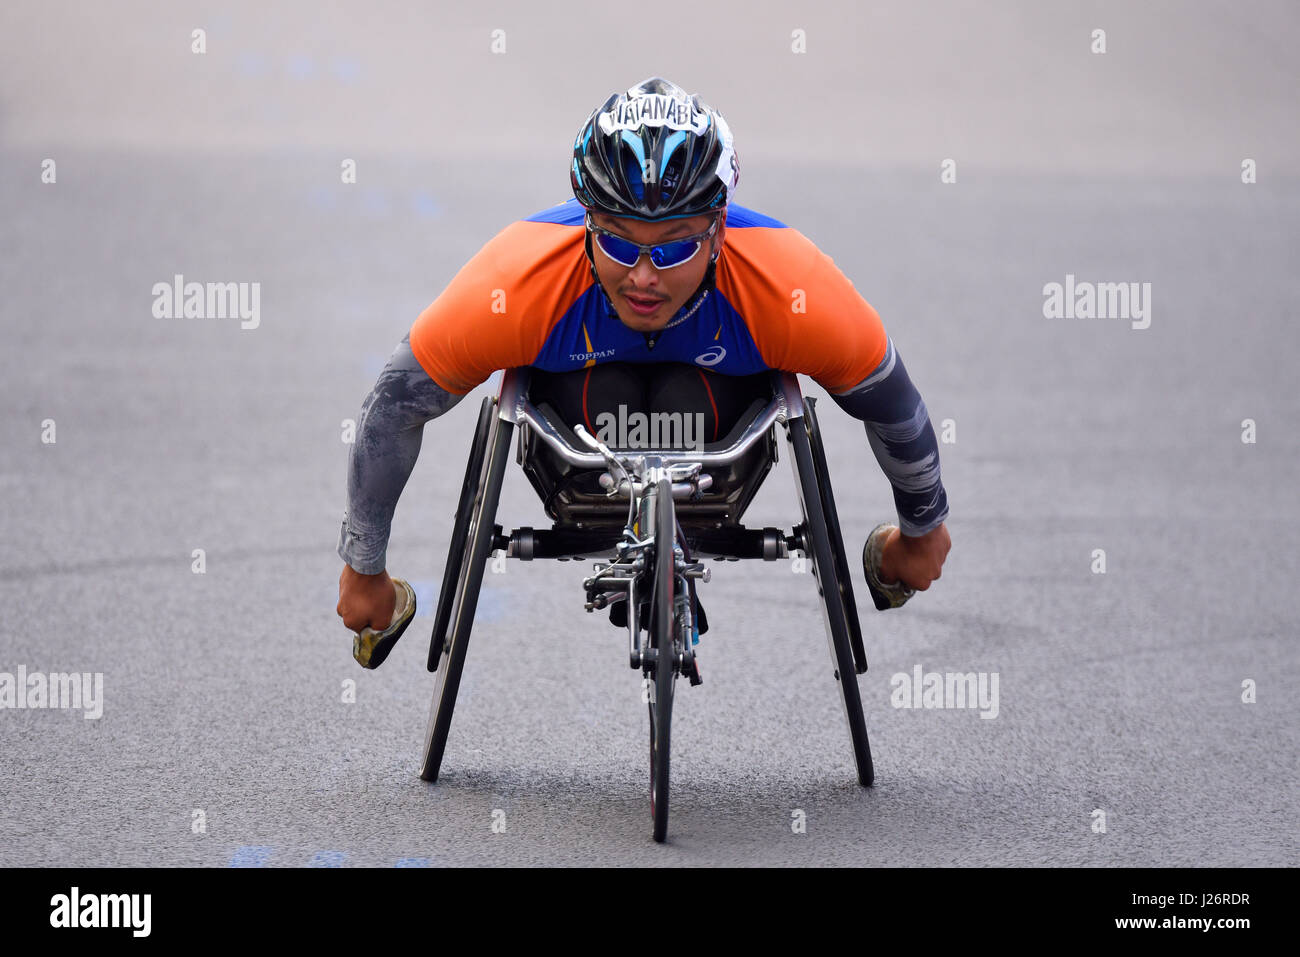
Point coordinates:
[[223, 692]]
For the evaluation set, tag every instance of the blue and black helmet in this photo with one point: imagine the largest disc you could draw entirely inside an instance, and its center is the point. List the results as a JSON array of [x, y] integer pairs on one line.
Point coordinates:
[[653, 153]]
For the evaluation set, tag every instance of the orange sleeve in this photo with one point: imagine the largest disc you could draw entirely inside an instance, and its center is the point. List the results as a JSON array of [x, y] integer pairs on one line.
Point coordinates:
[[498, 310], [803, 313]]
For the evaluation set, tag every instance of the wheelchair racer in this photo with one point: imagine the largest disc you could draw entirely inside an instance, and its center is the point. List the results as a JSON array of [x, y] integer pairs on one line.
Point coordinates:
[[652, 290]]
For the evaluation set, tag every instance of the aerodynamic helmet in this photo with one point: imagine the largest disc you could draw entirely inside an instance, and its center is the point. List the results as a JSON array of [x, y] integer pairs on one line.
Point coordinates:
[[654, 153]]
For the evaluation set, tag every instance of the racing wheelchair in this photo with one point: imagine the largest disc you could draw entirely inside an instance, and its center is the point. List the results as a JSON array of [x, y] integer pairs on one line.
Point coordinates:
[[653, 515]]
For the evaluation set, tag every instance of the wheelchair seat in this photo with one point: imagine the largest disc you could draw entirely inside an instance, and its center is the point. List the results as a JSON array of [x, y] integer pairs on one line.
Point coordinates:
[[573, 496]]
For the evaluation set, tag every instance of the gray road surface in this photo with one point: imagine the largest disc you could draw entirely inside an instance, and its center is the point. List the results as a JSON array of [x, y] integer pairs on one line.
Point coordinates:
[[1119, 692]]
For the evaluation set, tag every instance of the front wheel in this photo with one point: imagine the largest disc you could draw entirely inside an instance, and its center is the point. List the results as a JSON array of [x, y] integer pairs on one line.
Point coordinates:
[[663, 633]]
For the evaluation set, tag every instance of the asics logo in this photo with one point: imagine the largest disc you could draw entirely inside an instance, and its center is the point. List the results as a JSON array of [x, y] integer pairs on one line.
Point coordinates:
[[712, 357]]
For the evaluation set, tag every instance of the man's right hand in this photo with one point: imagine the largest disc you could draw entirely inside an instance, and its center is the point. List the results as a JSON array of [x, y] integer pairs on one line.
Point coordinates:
[[366, 600]]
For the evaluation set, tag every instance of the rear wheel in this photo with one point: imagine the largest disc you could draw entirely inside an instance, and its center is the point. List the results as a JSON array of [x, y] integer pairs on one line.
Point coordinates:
[[818, 544], [451, 572], [843, 574], [481, 532], [663, 630]]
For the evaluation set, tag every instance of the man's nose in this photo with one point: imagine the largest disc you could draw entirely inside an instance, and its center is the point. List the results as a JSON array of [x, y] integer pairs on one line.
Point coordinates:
[[644, 274]]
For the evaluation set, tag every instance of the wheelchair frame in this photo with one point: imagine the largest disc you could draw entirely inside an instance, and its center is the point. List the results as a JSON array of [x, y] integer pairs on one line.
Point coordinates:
[[588, 521]]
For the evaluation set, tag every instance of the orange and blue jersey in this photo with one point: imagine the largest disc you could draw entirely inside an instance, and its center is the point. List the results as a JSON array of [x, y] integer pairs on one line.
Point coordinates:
[[528, 299]]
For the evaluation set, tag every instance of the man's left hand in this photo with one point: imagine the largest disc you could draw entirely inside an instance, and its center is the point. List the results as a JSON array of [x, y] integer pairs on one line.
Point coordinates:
[[917, 562]]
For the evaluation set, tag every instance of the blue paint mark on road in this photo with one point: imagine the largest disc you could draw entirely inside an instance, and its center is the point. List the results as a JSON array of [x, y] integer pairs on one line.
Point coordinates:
[[492, 600], [250, 856], [346, 69], [375, 202], [251, 64], [300, 66], [322, 197], [327, 859], [257, 855], [426, 596], [425, 205]]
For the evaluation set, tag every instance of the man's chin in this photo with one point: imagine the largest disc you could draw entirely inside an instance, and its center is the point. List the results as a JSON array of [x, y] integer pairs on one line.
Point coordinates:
[[643, 323]]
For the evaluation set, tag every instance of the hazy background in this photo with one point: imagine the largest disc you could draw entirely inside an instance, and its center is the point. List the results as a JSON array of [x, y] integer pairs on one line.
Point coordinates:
[[1184, 87], [1119, 692]]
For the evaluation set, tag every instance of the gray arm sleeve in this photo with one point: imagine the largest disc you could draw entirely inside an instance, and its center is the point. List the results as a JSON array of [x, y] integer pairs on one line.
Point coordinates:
[[899, 432], [387, 444]]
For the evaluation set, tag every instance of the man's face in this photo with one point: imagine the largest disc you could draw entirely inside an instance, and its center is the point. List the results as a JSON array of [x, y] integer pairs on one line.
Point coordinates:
[[665, 289]]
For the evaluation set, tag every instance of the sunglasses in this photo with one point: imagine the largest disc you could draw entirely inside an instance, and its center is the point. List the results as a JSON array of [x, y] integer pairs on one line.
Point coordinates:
[[675, 252]]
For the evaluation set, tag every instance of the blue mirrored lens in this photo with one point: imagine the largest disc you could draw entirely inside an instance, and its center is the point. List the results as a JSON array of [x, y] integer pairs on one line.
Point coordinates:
[[626, 253], [620, 250], [672, 254]]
